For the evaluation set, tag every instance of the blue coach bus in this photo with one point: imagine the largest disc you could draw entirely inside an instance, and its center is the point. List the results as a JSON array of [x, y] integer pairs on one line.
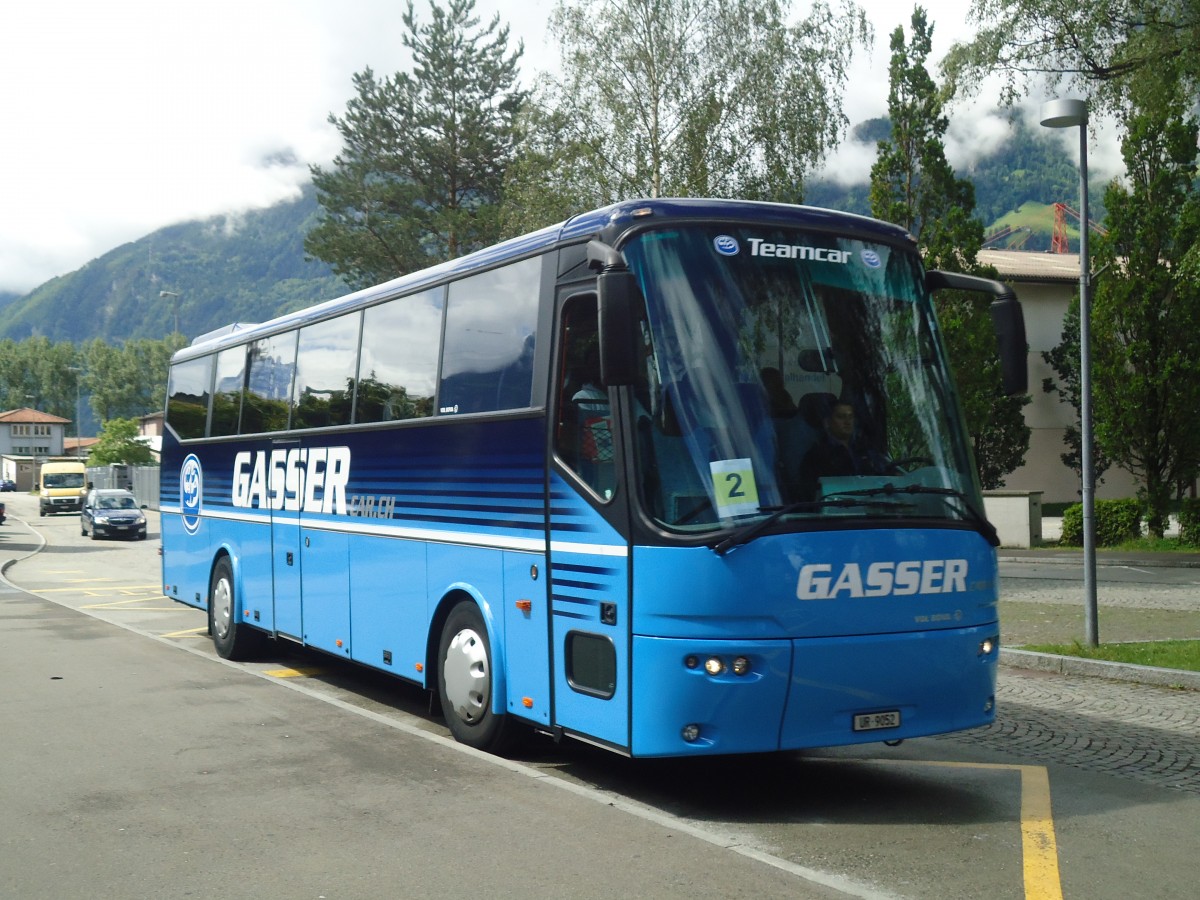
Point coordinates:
[[674, 477]]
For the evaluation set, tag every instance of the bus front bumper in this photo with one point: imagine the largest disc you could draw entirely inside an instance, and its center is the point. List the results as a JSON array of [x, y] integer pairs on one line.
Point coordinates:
[[811, 692]]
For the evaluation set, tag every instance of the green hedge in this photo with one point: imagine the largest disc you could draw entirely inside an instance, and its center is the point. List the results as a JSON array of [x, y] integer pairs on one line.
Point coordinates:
[[1189, 522], [1117, 521]]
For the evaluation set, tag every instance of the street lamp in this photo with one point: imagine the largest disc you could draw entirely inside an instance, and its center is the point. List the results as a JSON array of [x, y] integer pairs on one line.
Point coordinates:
[[176, 296], [78, 413], [1068, 114]]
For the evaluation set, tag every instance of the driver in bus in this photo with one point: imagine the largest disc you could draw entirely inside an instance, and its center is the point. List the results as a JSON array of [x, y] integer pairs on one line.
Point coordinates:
[[839, 451]]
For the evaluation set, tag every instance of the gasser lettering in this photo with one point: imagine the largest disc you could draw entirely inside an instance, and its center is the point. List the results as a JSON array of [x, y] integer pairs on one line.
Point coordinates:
[[818, 581], [309, 479]]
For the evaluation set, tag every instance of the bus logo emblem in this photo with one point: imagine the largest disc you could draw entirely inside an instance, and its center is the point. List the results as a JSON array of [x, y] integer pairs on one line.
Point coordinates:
[[726, 245], [191, 481], [871, 258]]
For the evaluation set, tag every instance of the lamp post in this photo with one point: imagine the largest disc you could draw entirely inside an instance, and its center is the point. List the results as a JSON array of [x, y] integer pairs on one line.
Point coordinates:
[[78, 413], [176, 296], [1068, 114]]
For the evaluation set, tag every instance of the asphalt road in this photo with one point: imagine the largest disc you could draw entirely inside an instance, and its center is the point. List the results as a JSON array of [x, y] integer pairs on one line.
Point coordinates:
[[135, 763]]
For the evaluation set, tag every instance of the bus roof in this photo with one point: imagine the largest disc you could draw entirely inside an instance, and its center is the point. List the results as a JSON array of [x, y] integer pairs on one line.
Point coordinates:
[[611, 220]]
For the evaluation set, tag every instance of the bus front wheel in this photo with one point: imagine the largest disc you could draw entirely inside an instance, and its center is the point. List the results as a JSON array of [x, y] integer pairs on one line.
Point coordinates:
[[465, 681], [232, 639]]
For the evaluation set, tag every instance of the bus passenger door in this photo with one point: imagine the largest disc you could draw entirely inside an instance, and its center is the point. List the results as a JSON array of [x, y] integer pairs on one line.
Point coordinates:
[[285, 549], [589, 558]]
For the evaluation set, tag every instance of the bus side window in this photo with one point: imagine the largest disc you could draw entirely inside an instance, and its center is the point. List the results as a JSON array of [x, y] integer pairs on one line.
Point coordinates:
[[397, 370], [583, 432], [227, 391], [487, 357], [325, 362], [188, 396]]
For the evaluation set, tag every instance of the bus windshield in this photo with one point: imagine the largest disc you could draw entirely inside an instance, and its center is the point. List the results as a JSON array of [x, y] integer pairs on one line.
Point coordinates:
[[795, 375]]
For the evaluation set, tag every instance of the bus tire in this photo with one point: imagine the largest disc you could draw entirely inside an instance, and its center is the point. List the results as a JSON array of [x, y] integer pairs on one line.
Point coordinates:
[[466, 681], [232, 639]]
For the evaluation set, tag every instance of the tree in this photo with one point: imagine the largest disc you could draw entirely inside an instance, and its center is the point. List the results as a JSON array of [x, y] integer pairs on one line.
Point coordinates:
[[656, 99], [1146, 359], [129, 380], [420, 176], [37, 373], [119, 443], [913, 185], [1100, 45], [1064, 359]]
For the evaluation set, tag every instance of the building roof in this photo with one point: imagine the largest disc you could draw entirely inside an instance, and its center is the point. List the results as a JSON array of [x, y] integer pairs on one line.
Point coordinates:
[[27, 416], [73, 445], [1022, 265]]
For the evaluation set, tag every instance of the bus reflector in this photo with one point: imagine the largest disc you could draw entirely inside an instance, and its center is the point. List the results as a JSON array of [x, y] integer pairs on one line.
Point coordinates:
[[420, 667], [527, 702], [525, 605]]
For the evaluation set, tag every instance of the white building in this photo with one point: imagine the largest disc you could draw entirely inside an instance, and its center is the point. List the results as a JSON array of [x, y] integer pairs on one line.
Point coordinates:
[[27, 439], [1045, 284]]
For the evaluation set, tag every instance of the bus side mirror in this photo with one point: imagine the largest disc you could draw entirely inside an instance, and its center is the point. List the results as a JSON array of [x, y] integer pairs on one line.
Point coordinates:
[[619, 296], [1007, 319], [1009, 322]]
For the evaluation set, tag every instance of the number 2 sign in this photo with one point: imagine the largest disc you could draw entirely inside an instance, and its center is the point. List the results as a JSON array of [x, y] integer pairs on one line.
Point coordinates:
[[734, 488]]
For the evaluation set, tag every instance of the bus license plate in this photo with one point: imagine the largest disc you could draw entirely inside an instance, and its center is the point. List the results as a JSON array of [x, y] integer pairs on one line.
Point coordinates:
[[877, 720]]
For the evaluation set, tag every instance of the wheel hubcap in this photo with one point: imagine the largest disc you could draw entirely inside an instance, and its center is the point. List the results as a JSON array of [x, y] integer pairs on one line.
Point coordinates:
[[468, 681], [222, 607]]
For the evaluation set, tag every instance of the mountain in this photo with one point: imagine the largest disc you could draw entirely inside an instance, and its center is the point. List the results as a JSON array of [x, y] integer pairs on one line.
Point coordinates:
[[232, 268], [1016, 186], [251, 267]]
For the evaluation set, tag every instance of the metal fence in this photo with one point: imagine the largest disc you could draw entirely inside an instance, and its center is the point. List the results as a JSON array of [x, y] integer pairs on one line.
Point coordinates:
[[141, 480]]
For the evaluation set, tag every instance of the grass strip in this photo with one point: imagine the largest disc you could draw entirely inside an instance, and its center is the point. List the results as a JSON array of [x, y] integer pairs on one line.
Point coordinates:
[[1164, 654]]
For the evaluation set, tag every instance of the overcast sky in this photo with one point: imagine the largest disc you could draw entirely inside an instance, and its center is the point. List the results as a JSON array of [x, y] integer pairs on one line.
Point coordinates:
[[124, 116]]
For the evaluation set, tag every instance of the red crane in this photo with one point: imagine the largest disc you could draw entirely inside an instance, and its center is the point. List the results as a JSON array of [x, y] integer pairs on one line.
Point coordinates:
[[1058, 242]]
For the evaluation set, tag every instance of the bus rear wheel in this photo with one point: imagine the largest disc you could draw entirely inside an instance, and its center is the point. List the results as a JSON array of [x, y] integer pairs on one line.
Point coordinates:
[[232, 639], [466, 682]]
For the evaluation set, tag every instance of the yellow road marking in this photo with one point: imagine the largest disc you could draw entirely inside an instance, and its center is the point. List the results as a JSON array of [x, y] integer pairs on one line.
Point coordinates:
[[187, 632], [108, 588], [294, 673], [1039, 847]]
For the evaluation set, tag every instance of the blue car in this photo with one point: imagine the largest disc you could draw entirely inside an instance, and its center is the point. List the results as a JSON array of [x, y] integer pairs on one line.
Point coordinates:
[[112, 512]]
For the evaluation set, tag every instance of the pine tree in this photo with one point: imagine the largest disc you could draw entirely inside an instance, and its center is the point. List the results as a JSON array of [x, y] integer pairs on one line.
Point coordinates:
[[913, 185], [420, 176]]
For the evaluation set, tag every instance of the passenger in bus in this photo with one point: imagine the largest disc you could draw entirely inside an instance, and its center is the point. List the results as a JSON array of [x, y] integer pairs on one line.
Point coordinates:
[[781, 402], [839, 451], [593, 420]]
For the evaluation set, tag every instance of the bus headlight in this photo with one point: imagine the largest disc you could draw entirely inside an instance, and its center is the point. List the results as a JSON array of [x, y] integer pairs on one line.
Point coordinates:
[[988, 645], [690, 733], [714, 665], [741, 665]]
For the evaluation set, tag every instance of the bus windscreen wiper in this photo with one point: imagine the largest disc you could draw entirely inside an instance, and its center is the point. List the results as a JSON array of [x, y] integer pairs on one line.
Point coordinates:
[[973, 515], [751, 531]]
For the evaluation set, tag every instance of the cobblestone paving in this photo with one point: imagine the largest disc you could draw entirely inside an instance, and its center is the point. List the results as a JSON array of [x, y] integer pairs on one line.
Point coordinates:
[[1134, 731]]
